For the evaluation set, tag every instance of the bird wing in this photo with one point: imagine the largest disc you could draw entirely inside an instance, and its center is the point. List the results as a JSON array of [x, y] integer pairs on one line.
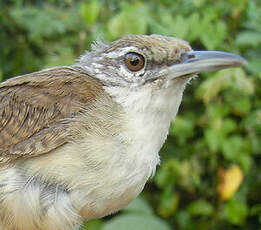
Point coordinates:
[[33, 108]]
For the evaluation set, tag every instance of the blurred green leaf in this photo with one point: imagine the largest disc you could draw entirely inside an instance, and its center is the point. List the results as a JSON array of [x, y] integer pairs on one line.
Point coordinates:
[[200, 208], [214, 139], [59, 55], [133, 19], [1, 75], [90, 11], [244, 160], [184, 220], [235, 79], [168, 203], [38, 22], [164, 176], [92, 225], [232, 146], [196, 30], [247, 38], [241, 106], [137, 222], [256, 211], [169, 24], [214, 33], [182, 129], [179, 25], [255, 67], [138, 206], [236, 212]]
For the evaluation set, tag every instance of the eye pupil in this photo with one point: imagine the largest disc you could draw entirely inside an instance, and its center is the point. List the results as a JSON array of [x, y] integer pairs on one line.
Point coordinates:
[[134, 61]]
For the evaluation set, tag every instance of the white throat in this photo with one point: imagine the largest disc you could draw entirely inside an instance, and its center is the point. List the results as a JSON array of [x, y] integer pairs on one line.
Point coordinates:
[[149, 113]]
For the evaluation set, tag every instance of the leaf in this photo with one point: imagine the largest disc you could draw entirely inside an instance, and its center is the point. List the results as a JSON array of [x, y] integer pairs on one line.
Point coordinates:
[[1, 75], [180, 27], [256, 209], [175, 172], [229, 181], [92, 225], [215, 112], [214, 139], [168, 202], [168, 24], [209, 89], [253, 121], [241, 106], [138, 205], [195, 28], [135, 221], [248, 38], [184, 220], [245, 161], [39, 22], [182, 129], [133, 19], [213, 33], [236, 211], [228, 126], [59, 55], [255, 67], [200, 208], [241, 82], [232, 146], [230, 78], [90, 11]]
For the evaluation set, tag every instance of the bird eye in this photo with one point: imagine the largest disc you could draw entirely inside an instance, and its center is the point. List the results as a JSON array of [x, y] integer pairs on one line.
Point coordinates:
[[134, 61]]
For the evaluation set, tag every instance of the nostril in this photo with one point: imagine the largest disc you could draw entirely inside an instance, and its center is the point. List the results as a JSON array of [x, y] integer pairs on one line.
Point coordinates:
[[191, 56]]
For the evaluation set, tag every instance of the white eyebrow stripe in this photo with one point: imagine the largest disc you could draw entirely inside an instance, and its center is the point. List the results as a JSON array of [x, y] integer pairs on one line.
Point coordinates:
[[120, 52]]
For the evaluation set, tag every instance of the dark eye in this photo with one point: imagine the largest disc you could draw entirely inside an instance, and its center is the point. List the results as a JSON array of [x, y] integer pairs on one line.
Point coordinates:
[[134, 61]]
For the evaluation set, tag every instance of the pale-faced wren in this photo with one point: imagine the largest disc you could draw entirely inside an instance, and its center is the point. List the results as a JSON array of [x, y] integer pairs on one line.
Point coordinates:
[[79, 142]]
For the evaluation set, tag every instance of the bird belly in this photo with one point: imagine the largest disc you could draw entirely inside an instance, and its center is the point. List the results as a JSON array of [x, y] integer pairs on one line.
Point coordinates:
[[115, 178], [107, 200], [72, 184]]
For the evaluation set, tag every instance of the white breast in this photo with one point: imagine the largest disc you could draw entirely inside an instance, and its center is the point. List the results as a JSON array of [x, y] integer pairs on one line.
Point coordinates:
[[144, 128]]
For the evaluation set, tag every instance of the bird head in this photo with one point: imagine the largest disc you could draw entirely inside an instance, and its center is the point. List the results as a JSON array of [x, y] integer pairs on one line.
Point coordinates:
[[156, 61]]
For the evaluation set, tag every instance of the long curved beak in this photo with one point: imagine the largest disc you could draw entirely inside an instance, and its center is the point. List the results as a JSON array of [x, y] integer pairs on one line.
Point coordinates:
[[194, 62]]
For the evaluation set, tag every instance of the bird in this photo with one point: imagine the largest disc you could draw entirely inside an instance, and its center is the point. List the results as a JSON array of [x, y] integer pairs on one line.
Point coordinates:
[[79, 142]]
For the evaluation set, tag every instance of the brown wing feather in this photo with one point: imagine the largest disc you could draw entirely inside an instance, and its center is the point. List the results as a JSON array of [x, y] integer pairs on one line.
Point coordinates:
[[33, 106]]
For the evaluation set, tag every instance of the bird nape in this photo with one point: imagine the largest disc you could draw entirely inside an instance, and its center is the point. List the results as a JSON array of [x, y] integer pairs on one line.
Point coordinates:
[[79, 142]]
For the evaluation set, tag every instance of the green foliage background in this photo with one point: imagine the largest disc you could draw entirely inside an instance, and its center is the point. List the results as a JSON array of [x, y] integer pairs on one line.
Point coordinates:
[[219, 123]]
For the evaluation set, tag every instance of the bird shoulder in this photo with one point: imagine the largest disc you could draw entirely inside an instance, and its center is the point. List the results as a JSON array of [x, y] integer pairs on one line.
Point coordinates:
[[33, 108]]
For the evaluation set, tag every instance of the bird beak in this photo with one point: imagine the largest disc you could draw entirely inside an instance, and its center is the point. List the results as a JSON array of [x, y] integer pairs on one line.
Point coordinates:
[[194, 62]]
